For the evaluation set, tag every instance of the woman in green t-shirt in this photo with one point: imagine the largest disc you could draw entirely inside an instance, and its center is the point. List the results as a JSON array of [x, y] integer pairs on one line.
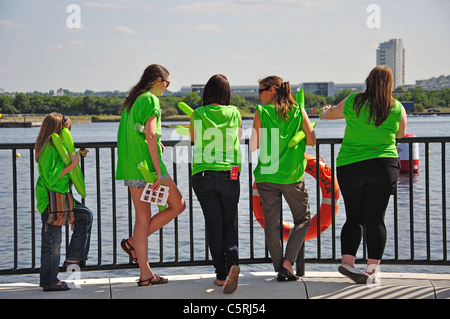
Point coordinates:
[[367, 167], [280, 169], [142, 107], [215, 129], [54, 177]]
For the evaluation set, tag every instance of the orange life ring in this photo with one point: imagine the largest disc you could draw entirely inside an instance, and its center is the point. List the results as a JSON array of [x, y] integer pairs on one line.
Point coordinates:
[[325, 207]]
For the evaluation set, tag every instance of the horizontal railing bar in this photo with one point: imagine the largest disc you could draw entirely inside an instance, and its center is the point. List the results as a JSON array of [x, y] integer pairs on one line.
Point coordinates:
[[422, 139]]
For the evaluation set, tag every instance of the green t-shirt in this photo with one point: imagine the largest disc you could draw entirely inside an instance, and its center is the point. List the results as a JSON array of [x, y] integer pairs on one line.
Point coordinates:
[[277, 163], [364, 141], [50, 166], [216, 146], [131, 144]]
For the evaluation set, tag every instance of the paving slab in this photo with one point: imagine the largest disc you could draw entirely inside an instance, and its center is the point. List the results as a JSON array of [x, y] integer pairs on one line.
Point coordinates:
[[441, 283], [82, 289], [252, 285], [258, 285], [330, 285]]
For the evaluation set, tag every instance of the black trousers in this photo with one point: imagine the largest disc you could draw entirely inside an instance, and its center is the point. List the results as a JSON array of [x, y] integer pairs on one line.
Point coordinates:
[[366, 187], [219, 196]]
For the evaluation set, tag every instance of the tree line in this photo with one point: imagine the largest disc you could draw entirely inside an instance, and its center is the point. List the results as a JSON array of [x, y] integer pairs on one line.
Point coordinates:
[[24, 103], [424, 99], [34, 103]]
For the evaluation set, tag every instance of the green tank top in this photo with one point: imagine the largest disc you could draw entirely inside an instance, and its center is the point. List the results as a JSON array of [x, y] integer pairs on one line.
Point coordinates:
[[216, 145], [364, 141], [132, 147], [277, 163]]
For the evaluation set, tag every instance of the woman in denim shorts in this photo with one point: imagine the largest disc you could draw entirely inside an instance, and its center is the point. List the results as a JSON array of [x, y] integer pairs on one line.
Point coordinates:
[[142, 109]]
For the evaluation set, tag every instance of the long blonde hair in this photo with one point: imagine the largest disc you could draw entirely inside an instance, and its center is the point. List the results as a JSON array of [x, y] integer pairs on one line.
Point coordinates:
[[285, 100], [53, 123]]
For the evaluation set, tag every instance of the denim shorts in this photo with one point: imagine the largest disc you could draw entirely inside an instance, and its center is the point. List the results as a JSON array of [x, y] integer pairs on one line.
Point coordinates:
[[140, 183]]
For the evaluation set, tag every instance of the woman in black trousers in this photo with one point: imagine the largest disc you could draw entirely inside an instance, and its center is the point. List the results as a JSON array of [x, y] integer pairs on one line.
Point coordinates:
[[367, 167]]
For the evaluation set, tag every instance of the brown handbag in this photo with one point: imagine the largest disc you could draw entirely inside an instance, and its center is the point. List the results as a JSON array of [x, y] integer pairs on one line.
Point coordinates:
[[60, 209]]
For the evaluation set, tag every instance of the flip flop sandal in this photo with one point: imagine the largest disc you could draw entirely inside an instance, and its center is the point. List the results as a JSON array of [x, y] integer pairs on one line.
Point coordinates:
[[232, 282], [124, 246], [149, 282]]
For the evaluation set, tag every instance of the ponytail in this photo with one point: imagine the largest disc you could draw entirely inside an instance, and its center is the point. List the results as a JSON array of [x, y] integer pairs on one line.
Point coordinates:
[[285, 100]]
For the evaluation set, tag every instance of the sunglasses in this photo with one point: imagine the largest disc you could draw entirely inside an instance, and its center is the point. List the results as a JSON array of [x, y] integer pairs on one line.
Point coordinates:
[[262, 90], [167, 83], [64, 119]]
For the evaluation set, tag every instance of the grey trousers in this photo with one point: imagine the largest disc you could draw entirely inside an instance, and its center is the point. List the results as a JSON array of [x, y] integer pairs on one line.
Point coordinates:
[[297, 198]]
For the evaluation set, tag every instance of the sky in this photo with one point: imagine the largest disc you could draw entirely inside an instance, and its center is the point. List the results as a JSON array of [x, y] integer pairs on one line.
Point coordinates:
[[106, 45]]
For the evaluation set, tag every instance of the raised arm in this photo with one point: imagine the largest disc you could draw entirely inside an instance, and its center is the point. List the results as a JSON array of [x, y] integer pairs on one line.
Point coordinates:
[[333, 112]]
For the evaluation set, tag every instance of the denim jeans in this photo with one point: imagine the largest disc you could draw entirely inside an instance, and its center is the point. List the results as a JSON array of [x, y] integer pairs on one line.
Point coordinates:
[[219, 196], [51, 243]]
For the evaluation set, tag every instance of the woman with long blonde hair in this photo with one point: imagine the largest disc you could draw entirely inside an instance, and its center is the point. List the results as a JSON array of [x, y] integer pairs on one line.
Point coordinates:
[[54, 177]]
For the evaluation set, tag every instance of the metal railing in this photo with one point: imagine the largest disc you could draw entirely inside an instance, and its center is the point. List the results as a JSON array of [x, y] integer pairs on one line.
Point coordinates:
[[183, 241]]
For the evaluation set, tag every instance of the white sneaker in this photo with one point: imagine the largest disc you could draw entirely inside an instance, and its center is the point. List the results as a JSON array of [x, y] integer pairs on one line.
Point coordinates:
[[357, 276]]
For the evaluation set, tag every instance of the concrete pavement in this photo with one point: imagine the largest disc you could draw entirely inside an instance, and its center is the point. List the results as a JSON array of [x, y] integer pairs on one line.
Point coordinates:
[[252, 285]]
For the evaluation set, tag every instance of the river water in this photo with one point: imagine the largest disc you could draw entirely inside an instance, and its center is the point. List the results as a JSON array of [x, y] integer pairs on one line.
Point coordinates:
[[425, 126]]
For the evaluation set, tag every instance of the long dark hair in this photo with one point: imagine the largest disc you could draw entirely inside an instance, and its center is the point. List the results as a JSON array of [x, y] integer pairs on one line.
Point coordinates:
[[217, 90], [378, 95], [285, 100], [151, 74]]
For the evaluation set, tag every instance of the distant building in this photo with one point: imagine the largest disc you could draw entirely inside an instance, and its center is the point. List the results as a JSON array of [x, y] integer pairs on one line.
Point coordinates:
[[355, 87], [319, 88], [407, 87], [439, 83], [59, 92], [2, 91], [250, 92], [392, 54], [184, 91], [408, 105]]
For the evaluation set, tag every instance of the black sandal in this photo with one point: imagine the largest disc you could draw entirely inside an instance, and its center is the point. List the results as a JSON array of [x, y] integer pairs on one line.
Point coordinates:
[[285, 274], [149, 281], [124, 244]]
